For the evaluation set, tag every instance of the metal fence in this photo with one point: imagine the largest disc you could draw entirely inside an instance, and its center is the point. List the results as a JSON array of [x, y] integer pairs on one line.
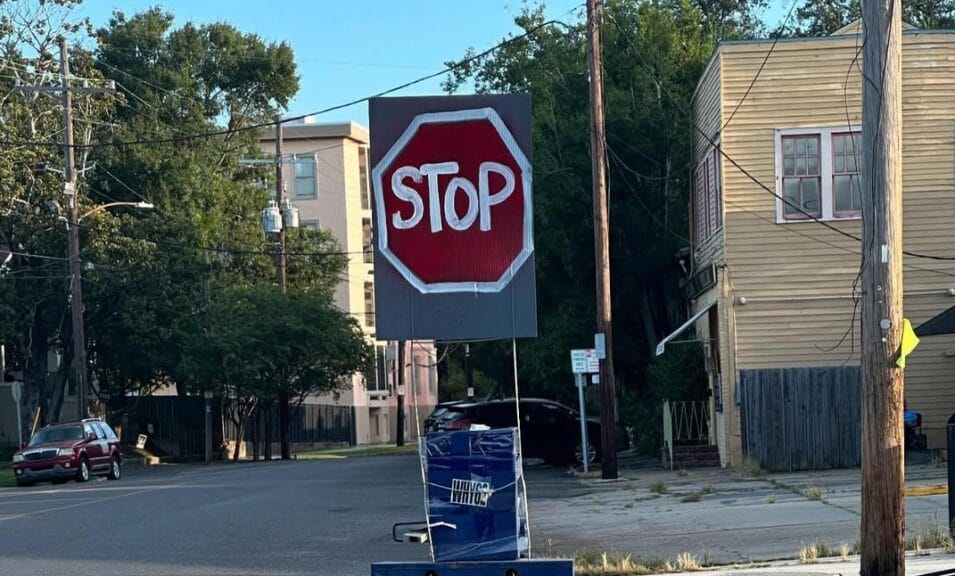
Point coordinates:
[[801, 418], [175, 425], [309, 423]]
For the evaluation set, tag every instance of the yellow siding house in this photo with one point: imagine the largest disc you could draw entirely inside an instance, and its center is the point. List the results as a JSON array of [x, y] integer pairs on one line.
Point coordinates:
[[772, 291]]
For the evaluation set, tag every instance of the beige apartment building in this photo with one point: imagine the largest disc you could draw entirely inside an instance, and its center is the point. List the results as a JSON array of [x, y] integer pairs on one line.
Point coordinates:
[[327, 179], [772, 291]]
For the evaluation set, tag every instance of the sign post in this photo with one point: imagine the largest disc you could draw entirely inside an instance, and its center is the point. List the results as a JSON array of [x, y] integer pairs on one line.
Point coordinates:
[[583, 362], [17, 391]]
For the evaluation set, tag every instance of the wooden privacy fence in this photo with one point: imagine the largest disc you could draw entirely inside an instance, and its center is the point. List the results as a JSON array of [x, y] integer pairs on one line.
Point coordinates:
[[801, 418]]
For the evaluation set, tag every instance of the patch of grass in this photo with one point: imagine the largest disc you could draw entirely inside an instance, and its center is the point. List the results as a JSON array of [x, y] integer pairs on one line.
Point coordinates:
[[771, 499], [613, 564], [928, 537], [809, 554], [658, 487], [682, 473], [685, 562], [845, 551], [7, 479], [708, 489], [692, 497], [750, 468], [610, 564], [628, 505], [358, 452], [813, 493]]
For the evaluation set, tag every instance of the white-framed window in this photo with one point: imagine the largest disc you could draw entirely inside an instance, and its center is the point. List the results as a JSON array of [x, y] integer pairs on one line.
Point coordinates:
[[818, 173], [707, 197], [306, 177]]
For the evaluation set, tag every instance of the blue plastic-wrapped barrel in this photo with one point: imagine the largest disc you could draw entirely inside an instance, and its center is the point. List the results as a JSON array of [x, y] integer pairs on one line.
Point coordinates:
[[475, 495]]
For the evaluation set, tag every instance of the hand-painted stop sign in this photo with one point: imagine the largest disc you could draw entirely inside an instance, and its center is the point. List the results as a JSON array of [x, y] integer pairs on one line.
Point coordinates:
[[453, 198]]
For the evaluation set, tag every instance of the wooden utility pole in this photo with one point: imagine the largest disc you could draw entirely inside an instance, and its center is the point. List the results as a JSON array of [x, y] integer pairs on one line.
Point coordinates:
[[76, 273], [66, 89], [598, 163], [283, 283], [883, 447], [400, 386]]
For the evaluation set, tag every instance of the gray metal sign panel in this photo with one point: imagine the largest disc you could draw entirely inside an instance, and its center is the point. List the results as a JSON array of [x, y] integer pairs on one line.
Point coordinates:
[[453, 214]]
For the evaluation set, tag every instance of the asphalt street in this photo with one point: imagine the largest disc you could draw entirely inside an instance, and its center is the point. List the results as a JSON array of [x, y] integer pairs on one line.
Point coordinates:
[[282, 518]]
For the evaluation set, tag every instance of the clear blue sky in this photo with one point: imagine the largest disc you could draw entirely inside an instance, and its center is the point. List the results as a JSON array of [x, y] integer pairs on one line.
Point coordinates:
[[346, 49]]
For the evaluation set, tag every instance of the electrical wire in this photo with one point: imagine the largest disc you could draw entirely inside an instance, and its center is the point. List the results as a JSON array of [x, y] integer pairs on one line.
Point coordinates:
[[229, 132]]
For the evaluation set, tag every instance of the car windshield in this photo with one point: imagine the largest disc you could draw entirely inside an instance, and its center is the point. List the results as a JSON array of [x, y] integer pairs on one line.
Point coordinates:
[[60, 434]]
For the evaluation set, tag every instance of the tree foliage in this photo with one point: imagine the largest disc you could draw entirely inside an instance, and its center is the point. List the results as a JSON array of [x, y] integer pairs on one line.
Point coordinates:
[[823, 17], [652, 51], [183, 295]]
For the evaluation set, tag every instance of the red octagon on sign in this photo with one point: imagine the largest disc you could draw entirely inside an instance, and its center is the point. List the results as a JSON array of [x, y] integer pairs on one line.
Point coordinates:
[[453, 198]]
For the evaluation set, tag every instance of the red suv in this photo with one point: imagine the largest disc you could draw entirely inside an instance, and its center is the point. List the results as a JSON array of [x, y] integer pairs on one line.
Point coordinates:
[[72, 450]]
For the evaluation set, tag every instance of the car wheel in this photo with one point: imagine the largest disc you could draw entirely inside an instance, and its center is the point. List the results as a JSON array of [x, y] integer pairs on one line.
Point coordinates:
[[591, 453], [115, 470], [83, 471]]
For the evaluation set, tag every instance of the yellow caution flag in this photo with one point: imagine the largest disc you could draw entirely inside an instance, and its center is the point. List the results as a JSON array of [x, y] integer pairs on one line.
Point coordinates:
[[909, 342]]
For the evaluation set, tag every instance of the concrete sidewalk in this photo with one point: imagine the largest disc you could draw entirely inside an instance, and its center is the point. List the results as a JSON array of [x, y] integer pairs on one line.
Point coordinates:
[[914, 566], [714, 514]]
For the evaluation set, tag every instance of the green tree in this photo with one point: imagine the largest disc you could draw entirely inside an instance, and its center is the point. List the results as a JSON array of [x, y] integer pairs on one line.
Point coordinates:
[[823, 17], [34, 283], [650, 50], [258, 341]]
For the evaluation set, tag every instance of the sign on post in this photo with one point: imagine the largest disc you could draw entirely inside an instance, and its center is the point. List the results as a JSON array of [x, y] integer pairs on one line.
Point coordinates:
[[453, 215], [584, 361]]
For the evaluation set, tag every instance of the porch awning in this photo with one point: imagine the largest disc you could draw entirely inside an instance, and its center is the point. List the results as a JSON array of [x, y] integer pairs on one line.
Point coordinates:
[[944, 323], [661, 347]]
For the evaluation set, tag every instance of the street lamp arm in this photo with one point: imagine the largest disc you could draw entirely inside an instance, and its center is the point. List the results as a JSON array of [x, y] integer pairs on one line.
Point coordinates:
[[140, 205]]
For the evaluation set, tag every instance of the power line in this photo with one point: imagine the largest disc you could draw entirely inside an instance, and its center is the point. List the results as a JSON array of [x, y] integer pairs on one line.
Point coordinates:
[[228, 132]]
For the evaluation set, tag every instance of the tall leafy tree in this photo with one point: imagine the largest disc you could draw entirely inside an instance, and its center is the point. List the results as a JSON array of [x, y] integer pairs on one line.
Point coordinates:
[[823, 17]]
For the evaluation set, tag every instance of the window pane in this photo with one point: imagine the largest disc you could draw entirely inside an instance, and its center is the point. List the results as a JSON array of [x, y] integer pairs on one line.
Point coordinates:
[[842, 186], [789, 166], [856, 193], [814, 165], [304, 187], [791, 194], [801, 166], [788, 146], [810, 195], [839, 143], [305, 168], [812, 146], [857, 143], [840, 164], [851, 163], [800, 147]]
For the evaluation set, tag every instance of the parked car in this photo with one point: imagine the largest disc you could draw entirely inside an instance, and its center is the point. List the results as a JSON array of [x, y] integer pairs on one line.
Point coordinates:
[[549, 430], [433, 422], [75, 450]]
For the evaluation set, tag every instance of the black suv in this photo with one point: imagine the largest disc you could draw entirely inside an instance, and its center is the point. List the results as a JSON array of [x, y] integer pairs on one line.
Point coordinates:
[[549, 430]]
